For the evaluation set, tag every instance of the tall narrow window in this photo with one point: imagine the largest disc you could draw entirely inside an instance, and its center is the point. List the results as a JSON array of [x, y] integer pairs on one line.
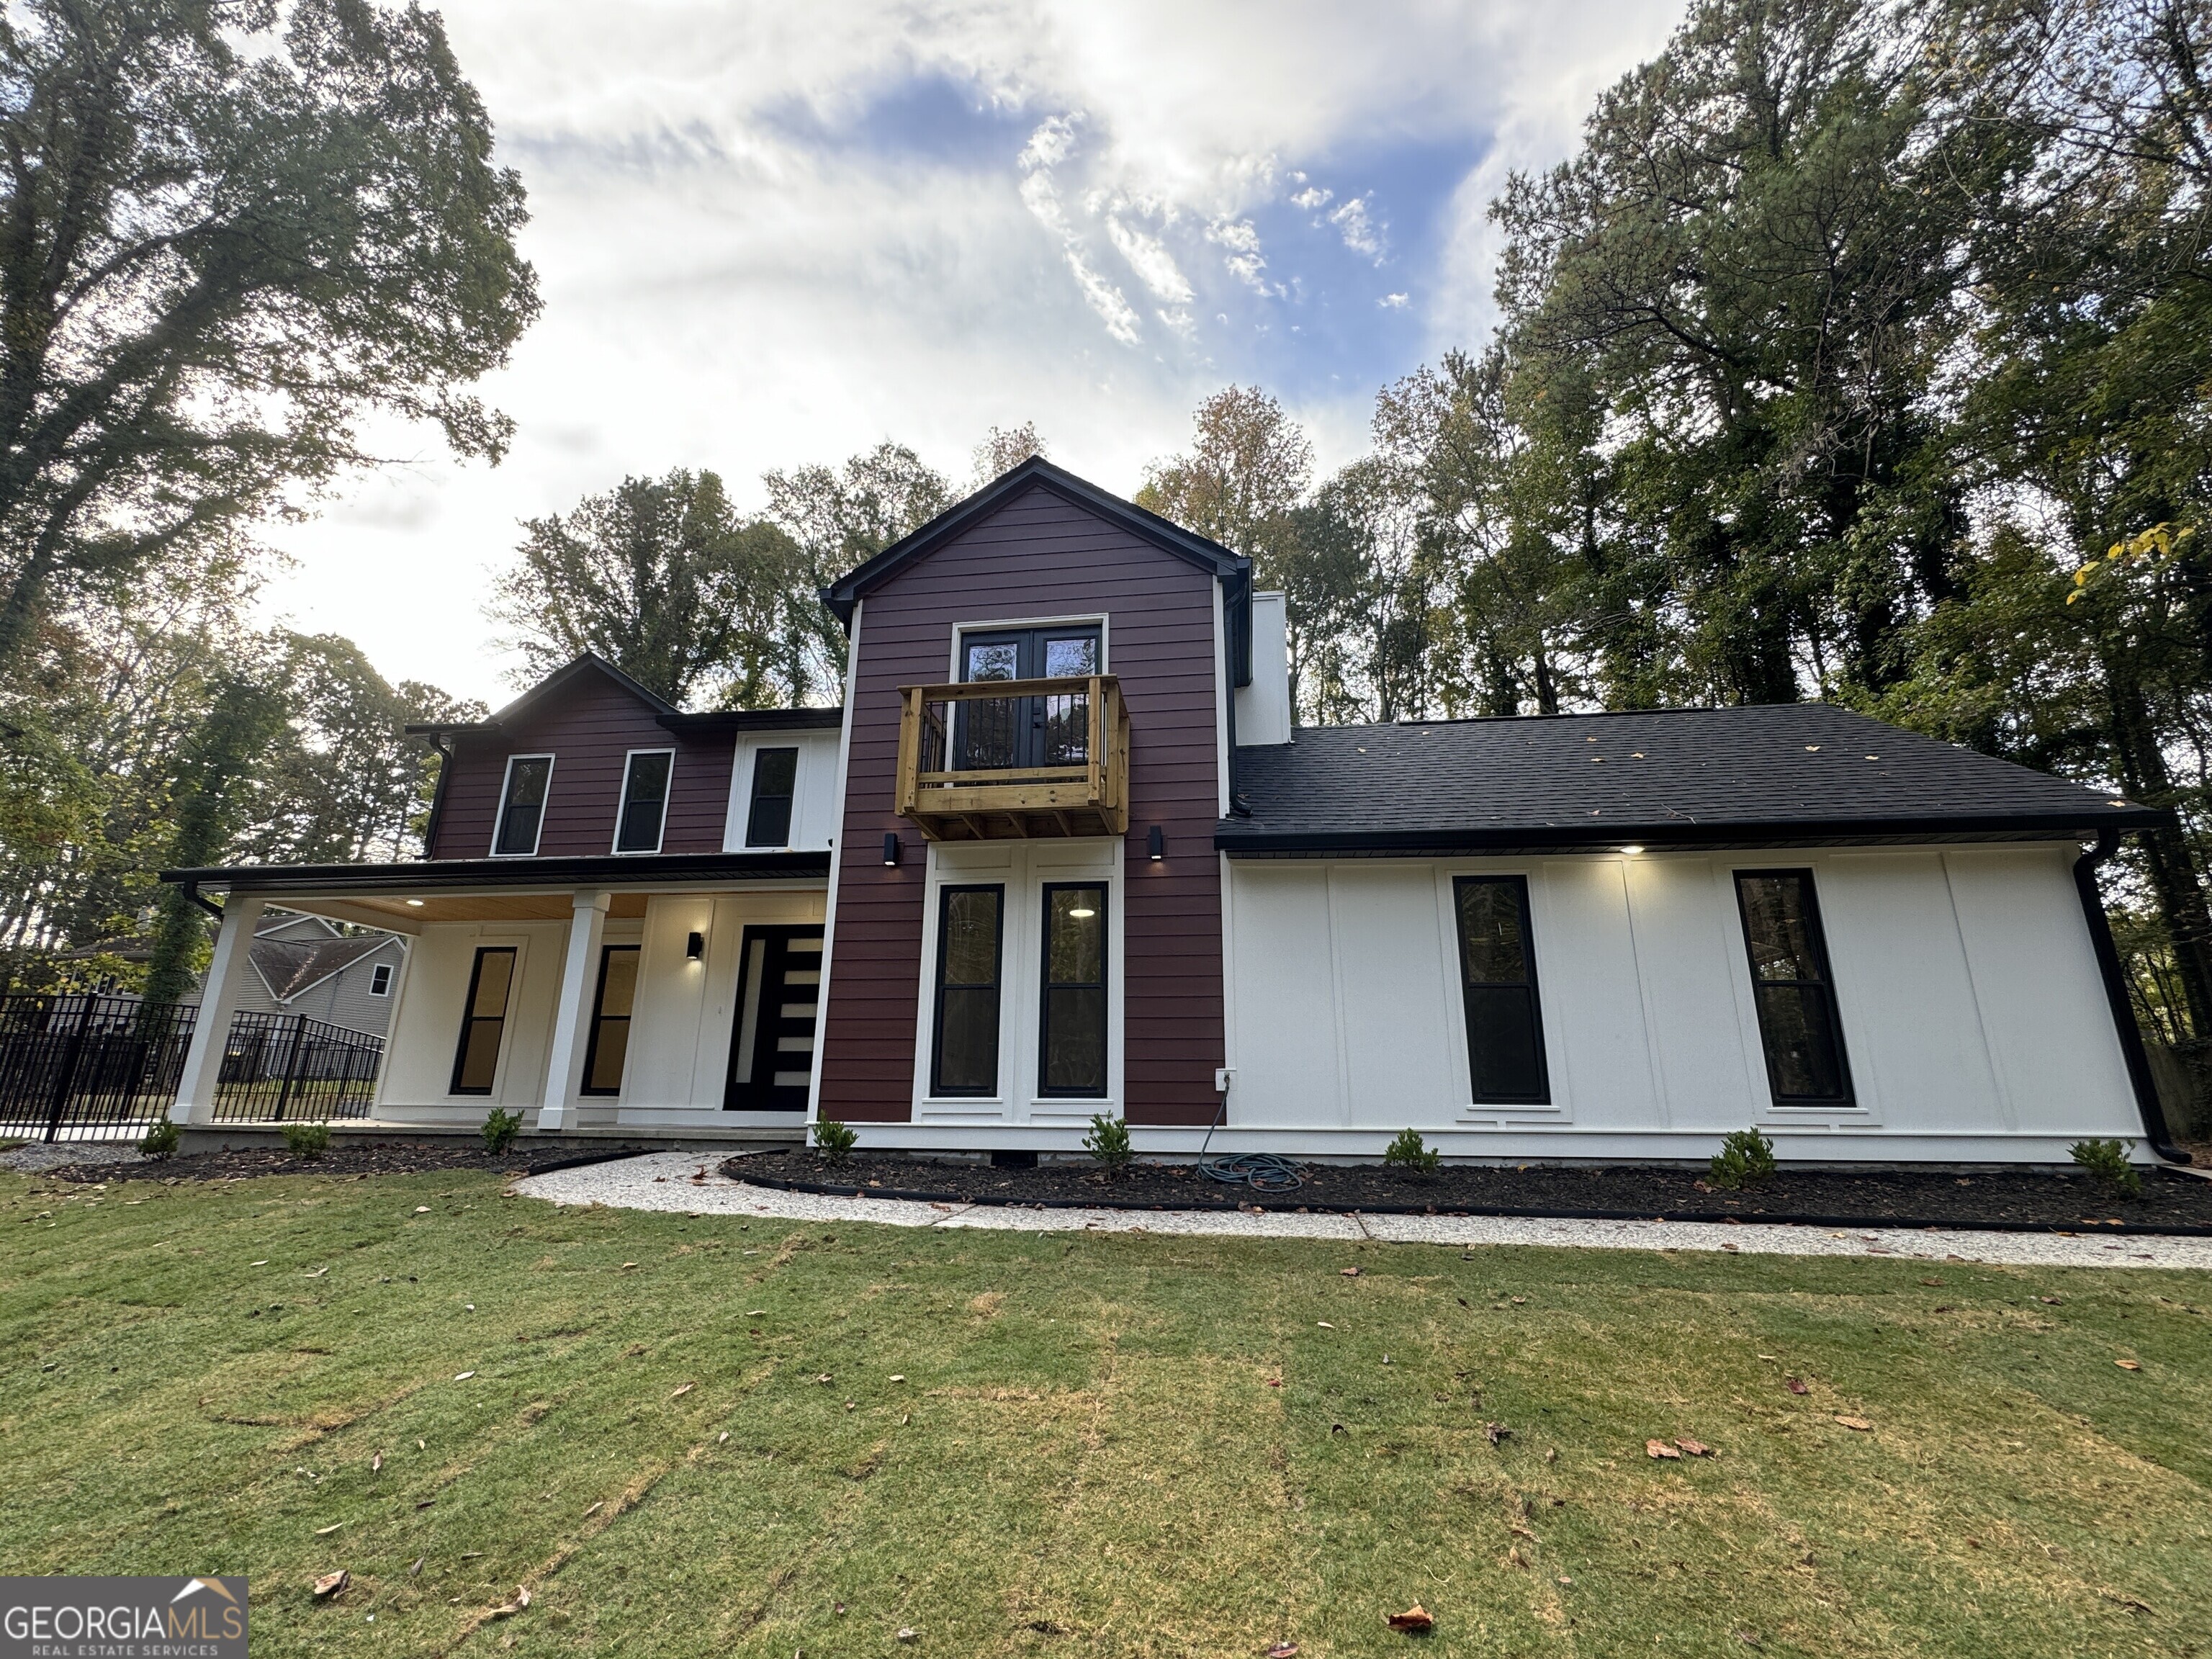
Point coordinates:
[[1498, 979], [1797, 1023], [1072, 1058], [775, 779], [483, 1022], [611, 1010], [966, 1059], [644, 800], [522, 805]]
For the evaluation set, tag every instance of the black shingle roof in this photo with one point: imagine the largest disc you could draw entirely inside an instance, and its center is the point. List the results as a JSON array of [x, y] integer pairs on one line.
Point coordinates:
[[1683, 777]]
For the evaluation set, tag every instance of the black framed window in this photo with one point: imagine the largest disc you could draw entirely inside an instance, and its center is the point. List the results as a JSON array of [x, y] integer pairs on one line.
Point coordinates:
[[1022, 731], [483, 1020], [1798, 1025], [1072, 1048], [1497, 979], [775, 780], [522, 804], [644, 800], [379, 980], [965, 1053], [608, 1046]]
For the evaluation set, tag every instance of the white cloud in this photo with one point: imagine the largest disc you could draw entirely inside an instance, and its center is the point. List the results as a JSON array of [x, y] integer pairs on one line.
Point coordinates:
[[1355, 222], [772, 234]]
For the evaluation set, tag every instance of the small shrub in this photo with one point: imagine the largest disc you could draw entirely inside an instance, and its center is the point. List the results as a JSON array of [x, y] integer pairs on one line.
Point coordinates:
[[2107, 1160], [1409, 1152], [1108, 1141], [499, 1129], [834, 1140], [160, 1142], [308, 1141], [1746, 1159]]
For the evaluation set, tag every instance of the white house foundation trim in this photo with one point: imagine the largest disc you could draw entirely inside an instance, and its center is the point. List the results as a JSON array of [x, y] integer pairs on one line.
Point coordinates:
[[225, 976]]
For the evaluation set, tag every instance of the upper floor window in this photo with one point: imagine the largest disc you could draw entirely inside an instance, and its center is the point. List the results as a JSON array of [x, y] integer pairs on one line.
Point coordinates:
[[522, 805], [379, 980], [644, 800], [775, 780], [1798, 1025]]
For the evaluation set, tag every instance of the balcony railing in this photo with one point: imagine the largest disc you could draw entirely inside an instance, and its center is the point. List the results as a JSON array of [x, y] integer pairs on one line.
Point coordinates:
[[996, 760]]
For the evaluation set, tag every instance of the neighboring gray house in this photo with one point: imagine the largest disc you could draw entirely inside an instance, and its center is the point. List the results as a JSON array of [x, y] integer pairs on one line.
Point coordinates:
[[303, 965]]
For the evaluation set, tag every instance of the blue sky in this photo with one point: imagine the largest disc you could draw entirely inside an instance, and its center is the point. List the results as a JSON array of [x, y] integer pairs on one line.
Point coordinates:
[[770, 234]]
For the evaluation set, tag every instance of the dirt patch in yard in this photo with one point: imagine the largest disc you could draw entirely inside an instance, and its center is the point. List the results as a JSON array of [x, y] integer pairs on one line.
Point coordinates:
[[356, 1159], [1937, 1197]]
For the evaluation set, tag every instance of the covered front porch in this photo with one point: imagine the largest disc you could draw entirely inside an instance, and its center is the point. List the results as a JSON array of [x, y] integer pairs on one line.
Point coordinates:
[[666, 996]]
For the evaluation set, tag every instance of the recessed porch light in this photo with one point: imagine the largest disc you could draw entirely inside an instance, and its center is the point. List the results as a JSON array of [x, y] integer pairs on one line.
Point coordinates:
[[1632, 851], [417, 903]]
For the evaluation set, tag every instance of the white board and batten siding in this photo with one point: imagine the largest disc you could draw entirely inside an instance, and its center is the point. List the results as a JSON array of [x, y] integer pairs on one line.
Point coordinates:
[[814, 802], [1975, 1023]]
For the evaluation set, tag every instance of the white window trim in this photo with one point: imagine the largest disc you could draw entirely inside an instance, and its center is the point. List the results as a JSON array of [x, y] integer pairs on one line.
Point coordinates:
[[622, 804], [499, 817], [390, 974], [1096, 619], [1500, 1114], [741, 792]]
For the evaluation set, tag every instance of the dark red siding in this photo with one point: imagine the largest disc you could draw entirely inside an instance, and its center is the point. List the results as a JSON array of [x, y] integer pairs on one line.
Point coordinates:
[[588, 726], [1040, 555]]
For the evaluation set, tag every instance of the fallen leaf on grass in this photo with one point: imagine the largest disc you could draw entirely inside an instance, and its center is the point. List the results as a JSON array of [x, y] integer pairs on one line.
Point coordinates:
[[417, 1569], [757, 1313], [907, 1633], [726, 1435], [325, 1532], [629, 1264], [330, 1585], [1858, 1423], [464, 1376], [1795, 1385], [685, 1389], [1494, 1432], [1324, 1324], [2052, 1300], [2128, 1364], [1414, 1622], [1274, 1382], [318, 1273], [508, 1609], [422, 1209], [595, 1508], [1348, 1273], [824, 1377], [1695, 1448], [419, 1446], [376, 1464], [1931, 1281], [1283, 1650], [1660, 1448], [898, 1376]]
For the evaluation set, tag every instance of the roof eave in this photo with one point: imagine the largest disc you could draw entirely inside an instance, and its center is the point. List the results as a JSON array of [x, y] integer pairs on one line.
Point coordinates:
[[607, 870]]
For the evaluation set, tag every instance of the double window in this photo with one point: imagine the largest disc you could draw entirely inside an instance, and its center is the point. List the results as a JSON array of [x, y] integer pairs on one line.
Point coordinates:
[[379, 980], [775, 782], [644, 800], [1798, 1026], [1073, 993], [522, 805], [1498, 987], [484, 1023]]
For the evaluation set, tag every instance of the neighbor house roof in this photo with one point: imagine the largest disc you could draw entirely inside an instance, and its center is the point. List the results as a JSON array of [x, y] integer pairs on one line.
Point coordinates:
[[664, 711], [289, 966], [1796, 772]]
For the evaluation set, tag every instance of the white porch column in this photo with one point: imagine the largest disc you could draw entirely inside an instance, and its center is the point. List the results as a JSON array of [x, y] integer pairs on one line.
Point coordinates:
[[241, 915], [572, 1015]]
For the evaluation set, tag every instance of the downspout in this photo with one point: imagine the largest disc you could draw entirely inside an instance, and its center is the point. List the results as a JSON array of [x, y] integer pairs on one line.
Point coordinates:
[[193, 896], [2116, 993], [438, 741]]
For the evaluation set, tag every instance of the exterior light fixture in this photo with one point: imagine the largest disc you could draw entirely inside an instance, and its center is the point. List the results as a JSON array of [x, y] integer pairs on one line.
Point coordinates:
[[1632, 851], [694, 946], [890, 848], [1156, 844], [417, 903]]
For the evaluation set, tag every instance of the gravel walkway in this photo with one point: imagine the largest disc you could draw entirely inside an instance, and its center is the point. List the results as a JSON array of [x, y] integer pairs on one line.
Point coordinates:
[[688, 1182]]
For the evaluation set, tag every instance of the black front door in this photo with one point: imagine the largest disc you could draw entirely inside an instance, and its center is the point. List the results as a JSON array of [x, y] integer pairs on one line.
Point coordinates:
[[1021, 733], [772, 1034]]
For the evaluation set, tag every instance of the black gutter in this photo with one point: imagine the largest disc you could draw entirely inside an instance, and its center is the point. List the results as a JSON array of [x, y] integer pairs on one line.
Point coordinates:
[[437, 736], [1251, 840], [755, 719], [2116, 994], [193, 896], [605, 871]]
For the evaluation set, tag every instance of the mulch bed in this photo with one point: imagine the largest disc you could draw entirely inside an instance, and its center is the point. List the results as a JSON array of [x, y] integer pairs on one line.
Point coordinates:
[[1939, 1197], [357, 1159]]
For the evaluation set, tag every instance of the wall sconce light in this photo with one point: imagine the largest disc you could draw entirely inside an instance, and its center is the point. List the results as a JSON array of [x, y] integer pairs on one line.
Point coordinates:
[[1156, 844], [891, 847], [694, 946]]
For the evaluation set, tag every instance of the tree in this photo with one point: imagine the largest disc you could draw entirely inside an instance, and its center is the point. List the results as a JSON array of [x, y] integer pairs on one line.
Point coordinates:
[[841, 517], [663, 578], [1246, 470], [1004, 449], [228, 230]]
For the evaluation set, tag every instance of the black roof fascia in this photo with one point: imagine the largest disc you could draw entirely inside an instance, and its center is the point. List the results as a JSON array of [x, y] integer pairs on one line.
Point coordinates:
[[1232, 570], [757, 720], [521, 707], [605, 869], [1241, 840]]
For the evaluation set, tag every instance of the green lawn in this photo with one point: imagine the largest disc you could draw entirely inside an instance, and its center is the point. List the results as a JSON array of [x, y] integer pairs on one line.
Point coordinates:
[[1089, 1453]]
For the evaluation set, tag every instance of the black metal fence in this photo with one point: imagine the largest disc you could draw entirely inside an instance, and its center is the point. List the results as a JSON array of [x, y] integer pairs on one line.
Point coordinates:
[[85, 1068], [286, 1068]]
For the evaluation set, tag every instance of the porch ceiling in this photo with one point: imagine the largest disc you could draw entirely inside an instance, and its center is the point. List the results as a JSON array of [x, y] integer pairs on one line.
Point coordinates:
[[486, 906]]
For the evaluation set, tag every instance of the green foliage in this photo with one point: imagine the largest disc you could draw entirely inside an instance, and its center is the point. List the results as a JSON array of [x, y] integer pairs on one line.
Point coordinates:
[[1746, 1159], [1407, 1151], [2108, 1160], [501, 1127], [1108, 1141], [834, 1141], [160, 1142], [307, 1141]]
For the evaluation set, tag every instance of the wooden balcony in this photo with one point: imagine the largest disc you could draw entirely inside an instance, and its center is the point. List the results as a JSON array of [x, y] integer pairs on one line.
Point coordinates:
[[1002, 760]]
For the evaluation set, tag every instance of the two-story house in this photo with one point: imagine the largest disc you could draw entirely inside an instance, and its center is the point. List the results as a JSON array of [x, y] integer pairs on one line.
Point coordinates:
[[1063, 853]]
